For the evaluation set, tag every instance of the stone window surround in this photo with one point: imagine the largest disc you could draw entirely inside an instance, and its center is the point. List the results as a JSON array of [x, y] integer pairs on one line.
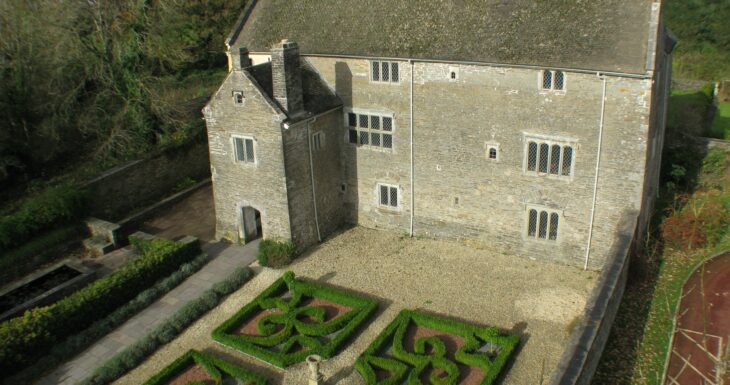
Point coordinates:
[[234, 158], [550, 212], [488, 147], [380, 62], [370, 112], [552, 90], [318, 140], [549, 140], [399, 196], [236, 95]]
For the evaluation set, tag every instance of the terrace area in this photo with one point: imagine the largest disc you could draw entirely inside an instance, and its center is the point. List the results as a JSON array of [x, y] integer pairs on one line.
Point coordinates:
[[539, 301]]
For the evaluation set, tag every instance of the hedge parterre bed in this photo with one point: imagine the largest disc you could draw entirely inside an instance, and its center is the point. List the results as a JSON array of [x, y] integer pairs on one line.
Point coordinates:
[[421, 348], [292, 319], [199, 368]]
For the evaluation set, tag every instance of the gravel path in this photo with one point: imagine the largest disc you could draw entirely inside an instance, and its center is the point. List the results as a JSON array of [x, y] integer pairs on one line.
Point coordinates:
[[537, 299]]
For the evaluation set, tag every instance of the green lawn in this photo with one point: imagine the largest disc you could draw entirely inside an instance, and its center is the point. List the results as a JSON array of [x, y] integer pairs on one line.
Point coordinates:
[[721, 124]]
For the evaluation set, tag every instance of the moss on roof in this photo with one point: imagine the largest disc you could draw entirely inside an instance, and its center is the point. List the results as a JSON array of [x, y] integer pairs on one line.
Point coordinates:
[[590, 34]]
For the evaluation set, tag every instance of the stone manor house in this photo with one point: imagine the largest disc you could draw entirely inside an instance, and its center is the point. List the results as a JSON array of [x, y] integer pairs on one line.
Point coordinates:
[[528, 126]]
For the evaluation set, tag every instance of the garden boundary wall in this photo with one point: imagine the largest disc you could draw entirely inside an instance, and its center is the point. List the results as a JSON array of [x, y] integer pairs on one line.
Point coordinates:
[[116, 193], [586, 343]]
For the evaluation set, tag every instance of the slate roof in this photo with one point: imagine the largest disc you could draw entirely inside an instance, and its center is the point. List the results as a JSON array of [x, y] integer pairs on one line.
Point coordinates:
[[609, 35], [318, 97]]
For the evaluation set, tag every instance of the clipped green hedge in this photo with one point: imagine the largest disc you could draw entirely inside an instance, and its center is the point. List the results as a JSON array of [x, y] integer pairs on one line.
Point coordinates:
[[167, 331], [53, 207], [274, 347], [80, 341], [24, 339], [214, 366], [275, 253], [431, 351]]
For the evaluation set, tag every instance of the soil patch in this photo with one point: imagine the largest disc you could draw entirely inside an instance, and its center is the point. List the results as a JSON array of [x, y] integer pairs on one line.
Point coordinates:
[[469, 375], [249, 328], [332, 310], [193, 373]]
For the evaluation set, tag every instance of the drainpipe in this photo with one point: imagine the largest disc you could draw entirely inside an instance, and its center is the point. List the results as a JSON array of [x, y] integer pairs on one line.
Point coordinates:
[[311, 174], [413, 196], [598, 164]]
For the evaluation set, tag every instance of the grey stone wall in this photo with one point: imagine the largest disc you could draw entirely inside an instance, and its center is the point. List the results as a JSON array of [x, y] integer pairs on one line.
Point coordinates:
[[458, 191], [261, 185], [586, 344], [136, 184], [328, 178]]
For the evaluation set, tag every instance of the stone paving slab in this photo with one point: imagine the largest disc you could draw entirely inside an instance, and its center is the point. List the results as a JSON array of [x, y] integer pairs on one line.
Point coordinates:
[[224, 259]]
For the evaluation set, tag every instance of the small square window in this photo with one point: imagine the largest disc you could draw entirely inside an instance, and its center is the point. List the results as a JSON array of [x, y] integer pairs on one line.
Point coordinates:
[[384, 71], [317, 141], [238, 97], [553, 80], [388, 196], [492, 151], [542, 224], [243, 150]]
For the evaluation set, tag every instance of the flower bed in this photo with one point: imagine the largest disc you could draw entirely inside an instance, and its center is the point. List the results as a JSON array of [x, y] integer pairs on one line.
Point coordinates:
[[198, 368], [293, 319], [422, 348]]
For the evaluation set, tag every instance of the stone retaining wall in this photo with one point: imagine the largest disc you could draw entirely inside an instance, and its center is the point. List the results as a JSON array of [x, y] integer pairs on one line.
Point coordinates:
[[117, 192], [585, 347]]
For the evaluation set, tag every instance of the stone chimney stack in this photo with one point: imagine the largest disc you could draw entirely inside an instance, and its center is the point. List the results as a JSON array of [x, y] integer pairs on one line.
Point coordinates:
[[287, 76], [243, 59]]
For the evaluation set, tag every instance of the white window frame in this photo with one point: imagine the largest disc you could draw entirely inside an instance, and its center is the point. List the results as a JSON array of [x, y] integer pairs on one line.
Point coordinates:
[[548, 234], [390, 188], [380, 80], [369, 129], [235, 95], [550, 141], [318, 140], [552, 89], [234, 151]]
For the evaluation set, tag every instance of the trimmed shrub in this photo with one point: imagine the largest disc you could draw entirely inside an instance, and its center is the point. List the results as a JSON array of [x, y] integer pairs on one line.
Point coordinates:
[[53, 207], [409, 367], [163, 333], [24, 339], [214, 366], [275, 253], [306, 334]]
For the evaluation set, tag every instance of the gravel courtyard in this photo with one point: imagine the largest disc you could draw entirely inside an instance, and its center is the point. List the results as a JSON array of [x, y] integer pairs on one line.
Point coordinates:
[[538, 300]]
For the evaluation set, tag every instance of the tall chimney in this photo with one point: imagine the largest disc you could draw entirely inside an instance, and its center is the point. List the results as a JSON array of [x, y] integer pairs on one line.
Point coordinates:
[[243, 59], [287, 76]]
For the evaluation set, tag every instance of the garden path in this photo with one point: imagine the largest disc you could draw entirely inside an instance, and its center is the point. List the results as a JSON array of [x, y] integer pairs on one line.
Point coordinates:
[[225, 259]]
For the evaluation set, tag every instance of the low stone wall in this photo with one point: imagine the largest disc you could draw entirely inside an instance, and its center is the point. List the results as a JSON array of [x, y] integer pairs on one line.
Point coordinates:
[[587, 341], [117, 192]]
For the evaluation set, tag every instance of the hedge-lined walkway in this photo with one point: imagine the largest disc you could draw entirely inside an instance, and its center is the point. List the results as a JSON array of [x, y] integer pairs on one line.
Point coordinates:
[[225, 259]]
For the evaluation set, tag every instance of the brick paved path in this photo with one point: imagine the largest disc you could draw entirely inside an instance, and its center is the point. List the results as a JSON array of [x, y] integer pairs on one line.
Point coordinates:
[[225, 259]]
